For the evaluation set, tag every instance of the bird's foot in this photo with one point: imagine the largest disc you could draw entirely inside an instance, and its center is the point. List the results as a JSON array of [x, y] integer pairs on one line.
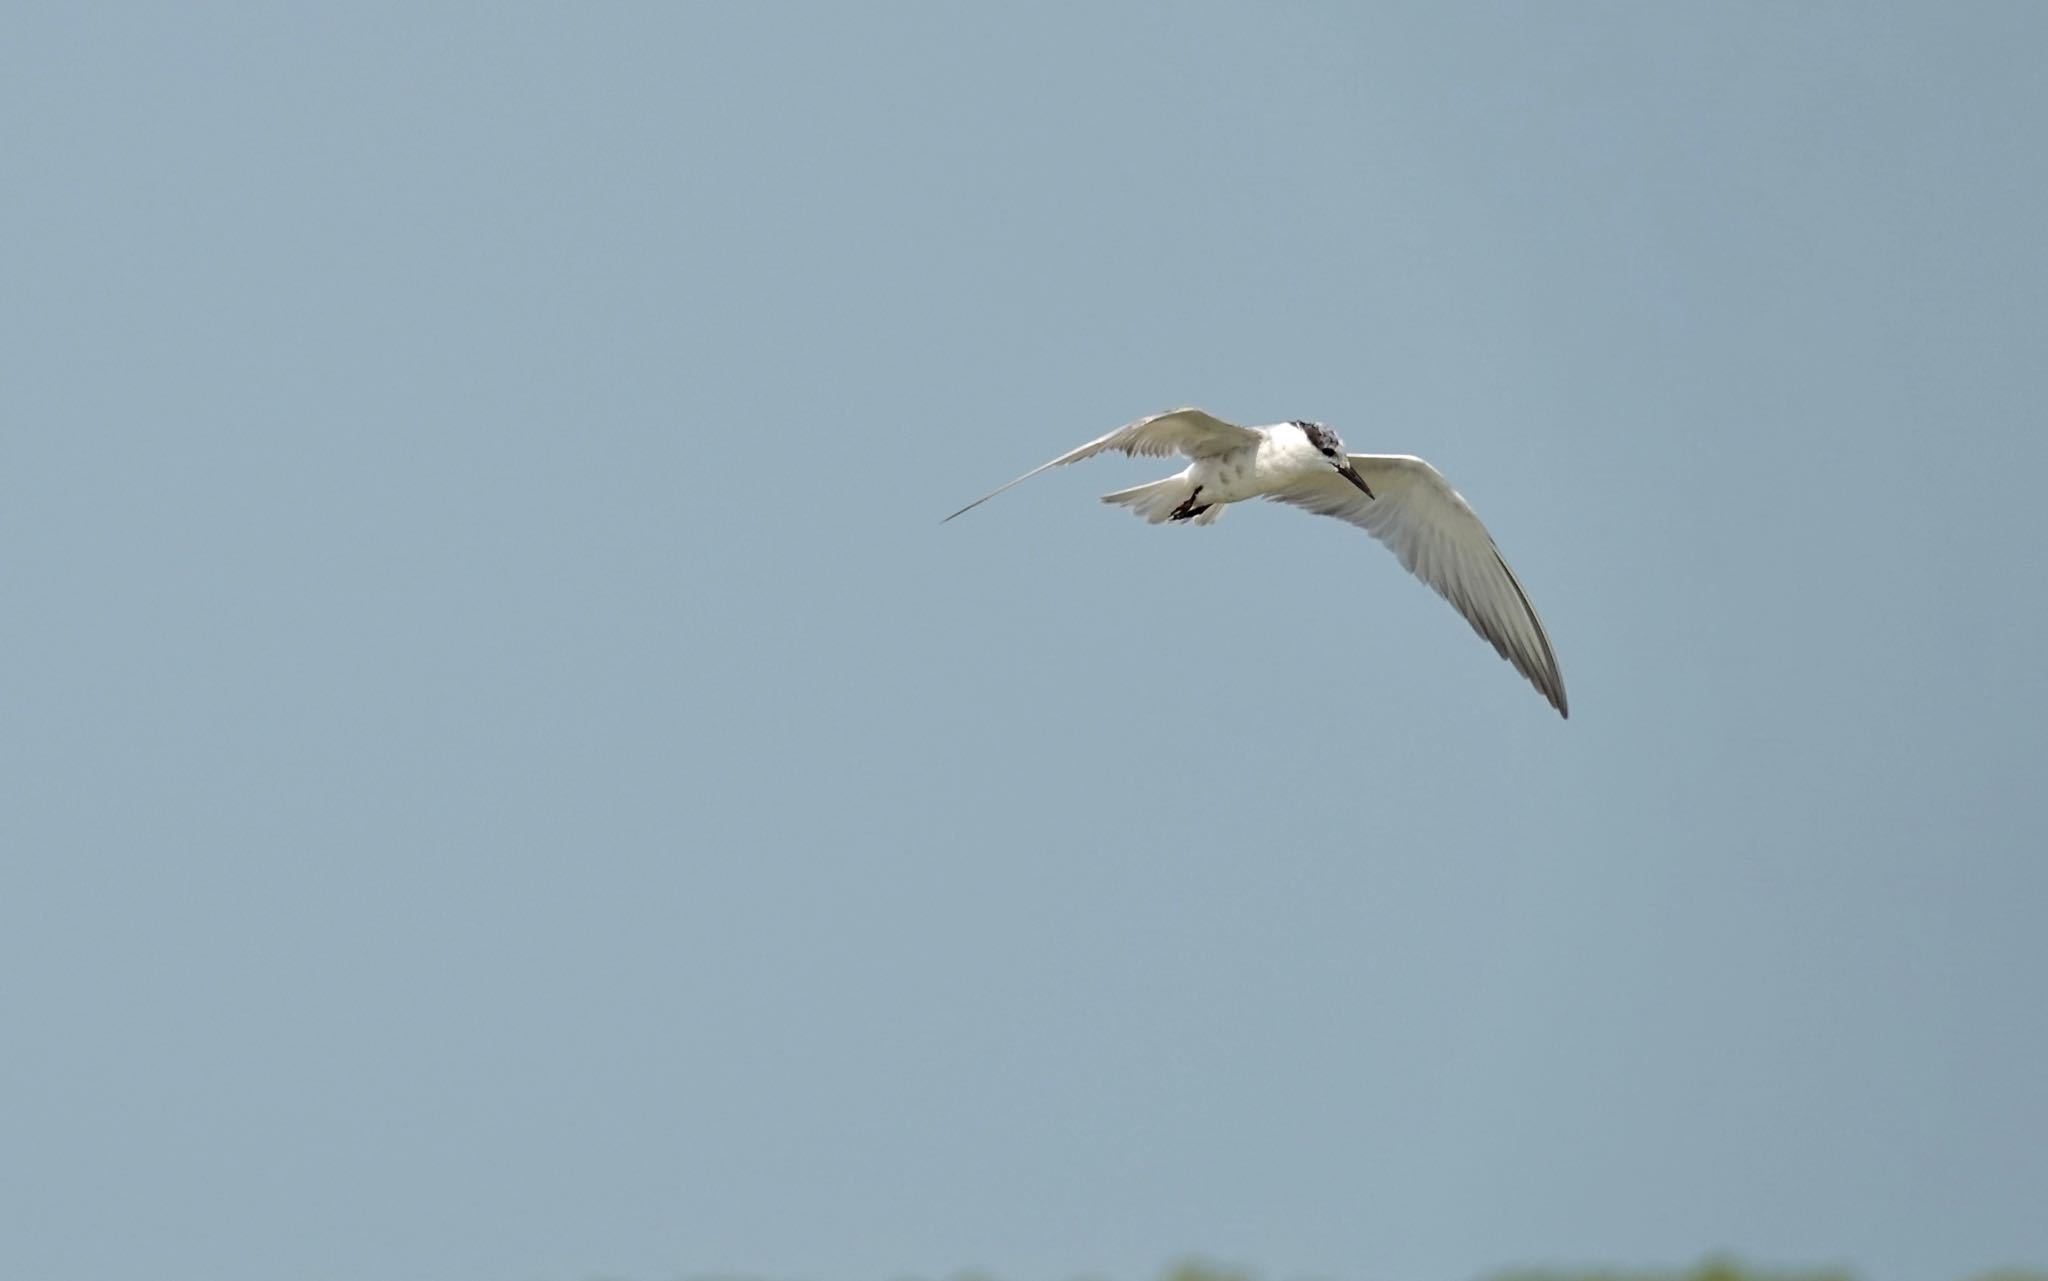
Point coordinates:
[[1189, 509]]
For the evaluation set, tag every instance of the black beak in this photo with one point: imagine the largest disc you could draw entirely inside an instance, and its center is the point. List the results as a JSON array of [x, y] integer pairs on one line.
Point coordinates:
[[1350, 473]]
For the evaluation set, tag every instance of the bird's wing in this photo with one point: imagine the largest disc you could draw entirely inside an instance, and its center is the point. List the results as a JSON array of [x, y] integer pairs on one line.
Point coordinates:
[[1438, 536], [1180, 431]]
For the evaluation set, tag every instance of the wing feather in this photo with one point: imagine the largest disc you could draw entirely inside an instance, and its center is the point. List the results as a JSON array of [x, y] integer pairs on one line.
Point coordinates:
[[1437, 536], [1189, 432]]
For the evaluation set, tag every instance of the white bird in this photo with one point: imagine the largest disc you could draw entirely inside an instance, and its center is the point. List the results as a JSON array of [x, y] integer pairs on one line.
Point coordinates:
[[1402, 501]]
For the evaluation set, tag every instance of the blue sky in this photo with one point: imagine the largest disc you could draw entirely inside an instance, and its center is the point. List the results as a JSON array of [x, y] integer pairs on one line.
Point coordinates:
[[506, 777]]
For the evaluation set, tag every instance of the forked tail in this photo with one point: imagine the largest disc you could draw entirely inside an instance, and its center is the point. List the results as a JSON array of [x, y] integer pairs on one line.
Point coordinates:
[[1158, 501]]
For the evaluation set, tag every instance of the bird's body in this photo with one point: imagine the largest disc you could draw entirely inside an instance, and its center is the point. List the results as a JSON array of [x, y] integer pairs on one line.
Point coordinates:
[[1252, 470], [1400, 500]]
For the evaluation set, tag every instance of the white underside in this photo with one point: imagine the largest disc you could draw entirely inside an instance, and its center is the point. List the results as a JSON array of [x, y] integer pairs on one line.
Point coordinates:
[[1233, 478]]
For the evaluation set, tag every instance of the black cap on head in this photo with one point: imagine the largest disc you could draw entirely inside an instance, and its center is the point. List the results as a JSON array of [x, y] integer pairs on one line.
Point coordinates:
[[1320, 436]]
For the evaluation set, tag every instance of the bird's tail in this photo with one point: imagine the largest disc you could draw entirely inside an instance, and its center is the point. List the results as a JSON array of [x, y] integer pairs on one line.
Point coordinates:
[[1158, 501]]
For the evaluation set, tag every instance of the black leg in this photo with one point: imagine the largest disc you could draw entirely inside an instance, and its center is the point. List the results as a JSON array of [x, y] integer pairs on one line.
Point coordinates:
[[1190, 508]]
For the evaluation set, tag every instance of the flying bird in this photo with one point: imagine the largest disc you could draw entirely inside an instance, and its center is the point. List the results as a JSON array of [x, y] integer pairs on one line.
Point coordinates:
[[1402, 501]]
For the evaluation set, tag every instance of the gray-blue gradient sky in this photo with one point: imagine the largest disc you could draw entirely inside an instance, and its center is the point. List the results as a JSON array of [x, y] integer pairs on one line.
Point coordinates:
[[505, 776]]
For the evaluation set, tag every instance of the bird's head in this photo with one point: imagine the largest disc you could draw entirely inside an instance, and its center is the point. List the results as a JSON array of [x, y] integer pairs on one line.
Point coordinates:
[[1326, 443]]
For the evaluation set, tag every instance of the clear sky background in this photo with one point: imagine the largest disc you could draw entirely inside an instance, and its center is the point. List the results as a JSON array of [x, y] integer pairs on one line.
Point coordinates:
[[505, 775]]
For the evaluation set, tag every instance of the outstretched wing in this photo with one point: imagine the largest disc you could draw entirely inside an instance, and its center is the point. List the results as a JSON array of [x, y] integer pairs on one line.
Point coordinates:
[[1182, 431], [1439, 538]]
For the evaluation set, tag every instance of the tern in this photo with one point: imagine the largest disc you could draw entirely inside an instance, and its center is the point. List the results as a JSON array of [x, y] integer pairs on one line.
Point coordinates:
[[1400, 500]]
